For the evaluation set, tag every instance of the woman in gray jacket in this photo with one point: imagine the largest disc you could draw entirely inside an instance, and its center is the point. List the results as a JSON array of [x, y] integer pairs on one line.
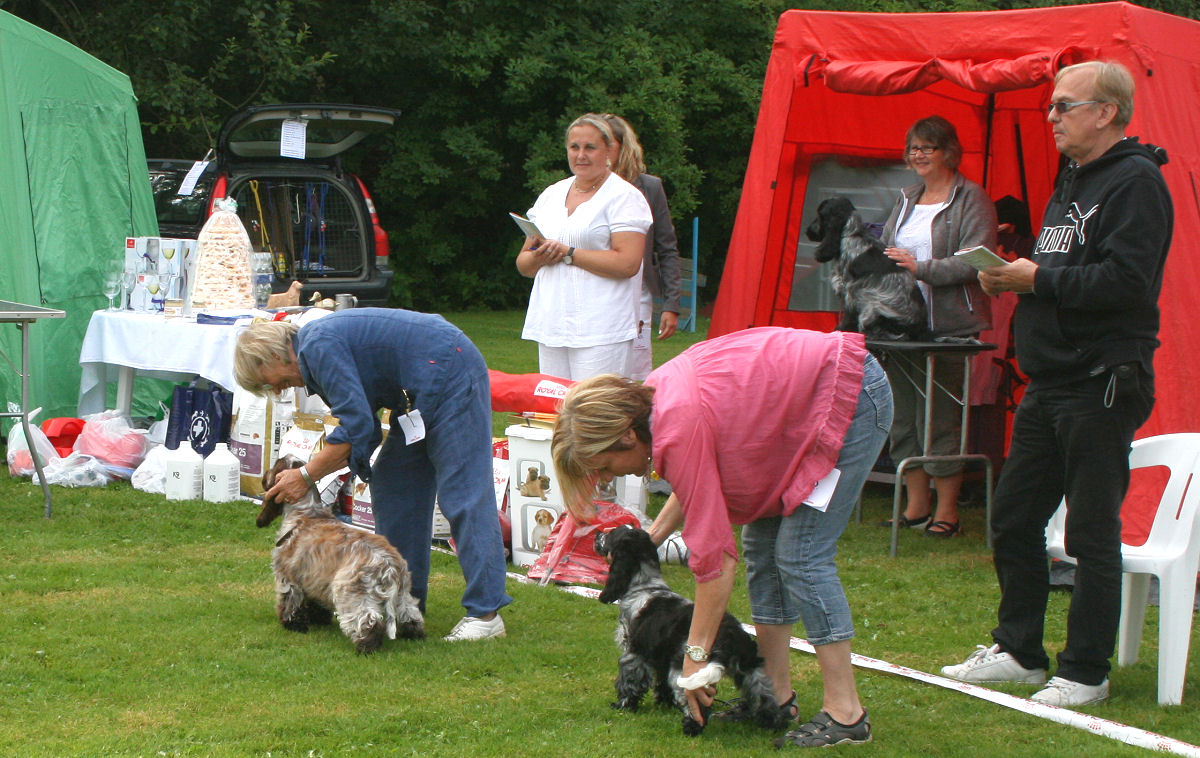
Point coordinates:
[[932, 219]]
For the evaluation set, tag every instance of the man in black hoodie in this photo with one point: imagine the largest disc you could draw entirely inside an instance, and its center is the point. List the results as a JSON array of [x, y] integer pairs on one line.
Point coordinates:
[[1086, 328]]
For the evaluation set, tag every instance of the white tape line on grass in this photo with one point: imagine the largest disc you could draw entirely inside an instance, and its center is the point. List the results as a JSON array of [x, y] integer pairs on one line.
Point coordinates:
[[1094, 724], [1111, 729]]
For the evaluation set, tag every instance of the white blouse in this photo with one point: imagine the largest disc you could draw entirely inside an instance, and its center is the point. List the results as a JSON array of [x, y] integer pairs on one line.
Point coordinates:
[[570, 307]]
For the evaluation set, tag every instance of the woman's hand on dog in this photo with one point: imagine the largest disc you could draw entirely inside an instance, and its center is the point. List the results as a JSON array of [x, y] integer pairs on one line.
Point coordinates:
[[288, 488], [903, 258], [701, 697]]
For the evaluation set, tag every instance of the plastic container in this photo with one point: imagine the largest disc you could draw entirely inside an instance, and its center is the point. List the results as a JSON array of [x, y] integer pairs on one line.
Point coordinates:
[[185, 474], [222, 475], [264, 272]]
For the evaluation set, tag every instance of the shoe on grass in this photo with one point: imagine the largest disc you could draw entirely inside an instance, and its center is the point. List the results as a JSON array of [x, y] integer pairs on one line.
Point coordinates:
[[909, 523], [471, 628], [1067, 694], [990, 664], [822, 731]]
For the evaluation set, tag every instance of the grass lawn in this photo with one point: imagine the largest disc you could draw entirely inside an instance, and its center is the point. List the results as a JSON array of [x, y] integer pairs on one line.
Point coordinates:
[[133, 626]]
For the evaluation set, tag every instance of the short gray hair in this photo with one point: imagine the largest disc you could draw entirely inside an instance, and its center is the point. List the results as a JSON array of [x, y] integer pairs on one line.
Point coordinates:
[[1114, 84]]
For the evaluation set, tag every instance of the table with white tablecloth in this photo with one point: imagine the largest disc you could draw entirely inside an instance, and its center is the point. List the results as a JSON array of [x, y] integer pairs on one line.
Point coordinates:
[[120, 345]]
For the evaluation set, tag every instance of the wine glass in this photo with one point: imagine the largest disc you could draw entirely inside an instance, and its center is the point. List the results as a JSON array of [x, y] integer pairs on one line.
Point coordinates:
[[112, 285], [128, 280]]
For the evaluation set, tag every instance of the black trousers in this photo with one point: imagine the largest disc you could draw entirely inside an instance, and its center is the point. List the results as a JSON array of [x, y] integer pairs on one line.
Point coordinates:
[[1071, 441]]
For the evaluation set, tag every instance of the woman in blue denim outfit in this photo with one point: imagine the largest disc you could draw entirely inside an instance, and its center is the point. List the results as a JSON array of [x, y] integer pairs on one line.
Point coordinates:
[[435, 383]]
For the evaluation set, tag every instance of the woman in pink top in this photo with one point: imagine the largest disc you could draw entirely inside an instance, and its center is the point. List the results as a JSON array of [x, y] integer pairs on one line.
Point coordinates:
[[745, 427]]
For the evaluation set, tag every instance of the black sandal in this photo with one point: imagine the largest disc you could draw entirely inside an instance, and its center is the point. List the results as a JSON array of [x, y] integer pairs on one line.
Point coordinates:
[[942, 529], [823, 731], [909, 523]]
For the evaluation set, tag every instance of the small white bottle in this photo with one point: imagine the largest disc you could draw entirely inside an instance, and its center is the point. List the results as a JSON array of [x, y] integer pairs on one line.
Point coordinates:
[[185, 473], [222, 475]]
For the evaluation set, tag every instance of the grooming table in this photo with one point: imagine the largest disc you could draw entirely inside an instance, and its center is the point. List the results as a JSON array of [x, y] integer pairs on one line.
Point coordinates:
[[24, 315], [907, 355]]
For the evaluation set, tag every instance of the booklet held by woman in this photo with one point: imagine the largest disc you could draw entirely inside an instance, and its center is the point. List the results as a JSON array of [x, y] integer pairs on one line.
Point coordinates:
[[980, 257], [528, 227]]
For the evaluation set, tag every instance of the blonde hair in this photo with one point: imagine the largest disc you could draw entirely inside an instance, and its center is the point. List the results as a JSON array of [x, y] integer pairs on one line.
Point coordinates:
[[1113, 84], [595, 414], [630, 160], [263, 343]]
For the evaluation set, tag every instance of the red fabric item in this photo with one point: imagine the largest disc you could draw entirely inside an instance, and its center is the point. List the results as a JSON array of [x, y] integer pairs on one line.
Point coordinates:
[[539, 393], [850, 84]]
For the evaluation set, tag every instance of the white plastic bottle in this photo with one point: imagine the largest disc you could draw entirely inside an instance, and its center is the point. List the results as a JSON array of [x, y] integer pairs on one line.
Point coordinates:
[[185, 473], [222, 475]]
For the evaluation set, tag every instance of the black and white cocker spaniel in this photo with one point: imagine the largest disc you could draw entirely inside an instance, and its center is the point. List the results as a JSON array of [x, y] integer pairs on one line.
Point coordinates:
[[652, 632], [879, 298]]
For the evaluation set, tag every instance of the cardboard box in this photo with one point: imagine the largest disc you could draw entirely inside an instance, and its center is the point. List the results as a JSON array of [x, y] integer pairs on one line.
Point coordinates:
[[534, 497]]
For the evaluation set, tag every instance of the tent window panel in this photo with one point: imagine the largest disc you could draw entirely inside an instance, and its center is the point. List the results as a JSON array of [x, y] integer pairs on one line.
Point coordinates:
[[872, 187]]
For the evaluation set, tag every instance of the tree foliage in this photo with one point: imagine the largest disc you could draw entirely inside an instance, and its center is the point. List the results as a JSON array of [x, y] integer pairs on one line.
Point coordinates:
[[487, 88]]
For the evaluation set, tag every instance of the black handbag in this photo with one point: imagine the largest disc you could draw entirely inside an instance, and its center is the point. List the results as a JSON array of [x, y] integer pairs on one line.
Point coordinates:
[[201, 415]]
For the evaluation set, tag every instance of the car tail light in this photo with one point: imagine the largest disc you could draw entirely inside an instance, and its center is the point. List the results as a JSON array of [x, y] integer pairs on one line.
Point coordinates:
[[382, 248], [218, 192]]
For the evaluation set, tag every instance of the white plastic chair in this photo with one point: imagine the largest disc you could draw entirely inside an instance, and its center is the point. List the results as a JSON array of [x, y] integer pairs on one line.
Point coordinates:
[[1171, 552]]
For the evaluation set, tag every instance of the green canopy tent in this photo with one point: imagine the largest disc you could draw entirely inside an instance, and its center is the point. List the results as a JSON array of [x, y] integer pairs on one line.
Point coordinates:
[[73, 185]]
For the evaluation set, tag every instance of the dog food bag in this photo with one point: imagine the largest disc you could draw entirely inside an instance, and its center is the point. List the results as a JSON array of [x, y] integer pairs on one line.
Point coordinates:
[[251, 438], [224, 279], [305, 437]]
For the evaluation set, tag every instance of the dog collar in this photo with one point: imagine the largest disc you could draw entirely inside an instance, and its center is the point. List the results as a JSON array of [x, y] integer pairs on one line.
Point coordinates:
[[285, 536]]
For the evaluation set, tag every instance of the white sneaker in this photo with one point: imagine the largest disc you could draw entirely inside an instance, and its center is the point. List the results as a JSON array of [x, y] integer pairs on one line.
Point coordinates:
[[988, 664], [1067, 694], [471, 628]]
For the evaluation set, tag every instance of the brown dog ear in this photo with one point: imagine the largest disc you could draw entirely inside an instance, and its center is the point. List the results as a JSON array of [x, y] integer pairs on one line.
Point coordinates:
[[271, 509]]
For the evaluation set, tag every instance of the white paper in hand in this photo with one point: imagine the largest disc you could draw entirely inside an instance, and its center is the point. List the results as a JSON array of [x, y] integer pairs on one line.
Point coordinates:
[[980, 257]]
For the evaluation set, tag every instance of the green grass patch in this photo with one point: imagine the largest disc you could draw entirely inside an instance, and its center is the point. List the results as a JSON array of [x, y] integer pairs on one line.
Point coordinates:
[[133, 626]]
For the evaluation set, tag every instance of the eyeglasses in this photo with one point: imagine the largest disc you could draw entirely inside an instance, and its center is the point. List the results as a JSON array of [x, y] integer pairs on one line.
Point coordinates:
[[923, 149], [1065, 107]]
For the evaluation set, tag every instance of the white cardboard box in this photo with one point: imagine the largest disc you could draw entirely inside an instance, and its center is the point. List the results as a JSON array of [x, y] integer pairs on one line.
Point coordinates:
[[534, 508]]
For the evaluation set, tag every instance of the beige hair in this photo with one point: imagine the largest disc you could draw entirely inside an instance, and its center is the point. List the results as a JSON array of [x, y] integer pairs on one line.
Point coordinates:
[[263, 343], [594, 416], [1114, 84], [630, 160]]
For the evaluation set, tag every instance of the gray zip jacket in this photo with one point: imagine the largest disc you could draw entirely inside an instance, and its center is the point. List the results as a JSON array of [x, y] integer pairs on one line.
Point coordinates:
[[958, 306]]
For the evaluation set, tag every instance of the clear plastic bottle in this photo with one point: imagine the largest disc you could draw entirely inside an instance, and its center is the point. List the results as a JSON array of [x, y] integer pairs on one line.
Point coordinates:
[[222, 475], [264, 272]]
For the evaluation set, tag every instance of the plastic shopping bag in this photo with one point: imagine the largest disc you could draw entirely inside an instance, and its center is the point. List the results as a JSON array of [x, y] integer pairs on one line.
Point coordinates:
[[20, 463], [108, 437]]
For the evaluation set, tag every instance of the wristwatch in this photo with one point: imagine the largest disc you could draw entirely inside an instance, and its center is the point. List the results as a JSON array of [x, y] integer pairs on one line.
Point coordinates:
[[696, 653], [569, 258]]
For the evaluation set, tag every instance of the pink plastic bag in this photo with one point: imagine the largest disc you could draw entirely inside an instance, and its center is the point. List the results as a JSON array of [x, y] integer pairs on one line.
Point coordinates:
[[570, 554], [109, 438]]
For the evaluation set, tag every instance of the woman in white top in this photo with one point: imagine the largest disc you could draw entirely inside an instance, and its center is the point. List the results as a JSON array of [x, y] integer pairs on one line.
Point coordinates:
[[587, 271], [942, 213]]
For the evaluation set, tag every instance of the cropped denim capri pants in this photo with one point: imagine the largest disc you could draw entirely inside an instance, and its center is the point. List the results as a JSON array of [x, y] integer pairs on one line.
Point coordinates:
[[790, 568]]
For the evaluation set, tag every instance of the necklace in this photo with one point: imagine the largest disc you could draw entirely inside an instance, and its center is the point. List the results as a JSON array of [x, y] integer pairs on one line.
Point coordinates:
[[589, 189]]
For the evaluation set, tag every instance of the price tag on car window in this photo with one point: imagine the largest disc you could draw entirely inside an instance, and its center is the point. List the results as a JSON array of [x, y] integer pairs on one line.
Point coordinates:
[[188, 185], [293, 138]]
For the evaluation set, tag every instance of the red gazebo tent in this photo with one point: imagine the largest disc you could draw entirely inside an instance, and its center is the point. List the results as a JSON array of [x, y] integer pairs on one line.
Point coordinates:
[[848, 85]]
